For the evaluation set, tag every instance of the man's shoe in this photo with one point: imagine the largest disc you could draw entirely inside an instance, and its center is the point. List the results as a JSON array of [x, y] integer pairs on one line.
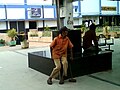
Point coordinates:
[[49, 81], [72, 80], [61, 81]]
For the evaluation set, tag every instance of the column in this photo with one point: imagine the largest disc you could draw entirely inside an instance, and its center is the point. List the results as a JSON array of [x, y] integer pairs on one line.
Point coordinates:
[[68, 20]]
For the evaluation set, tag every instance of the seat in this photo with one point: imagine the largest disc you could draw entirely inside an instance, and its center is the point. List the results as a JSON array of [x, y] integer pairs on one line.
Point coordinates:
[[101, 40], [109, 42], [106, 42]]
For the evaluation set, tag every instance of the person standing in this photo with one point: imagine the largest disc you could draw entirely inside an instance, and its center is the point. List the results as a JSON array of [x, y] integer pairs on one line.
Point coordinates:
[[59, 47]]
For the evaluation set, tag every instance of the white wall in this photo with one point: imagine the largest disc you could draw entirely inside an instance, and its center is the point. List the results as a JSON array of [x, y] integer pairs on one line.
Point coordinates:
[[90, 7], [46, 23], [75, 13], [12, 2], [2, 25], [15, 13], [108, 3], [51, 23], [2, 13], [77, 21], [39, 2], [26, 24], [39, 24], [48, 13]]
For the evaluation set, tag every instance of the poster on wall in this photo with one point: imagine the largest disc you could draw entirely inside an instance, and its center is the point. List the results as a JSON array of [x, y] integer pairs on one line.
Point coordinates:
[[35, 12]]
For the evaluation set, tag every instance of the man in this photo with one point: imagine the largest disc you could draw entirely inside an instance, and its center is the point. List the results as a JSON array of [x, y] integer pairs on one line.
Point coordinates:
[[59, 47], [90, 42]]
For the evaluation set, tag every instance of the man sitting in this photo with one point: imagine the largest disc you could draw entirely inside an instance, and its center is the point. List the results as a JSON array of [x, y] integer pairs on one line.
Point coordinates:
[[90, 42]]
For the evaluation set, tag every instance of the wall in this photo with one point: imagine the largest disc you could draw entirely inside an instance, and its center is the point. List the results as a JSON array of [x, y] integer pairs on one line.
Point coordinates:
[[2, 13], [77, 21], [20, 10], [15, 13], [39, 2], [3, 25], [52, 23], [90, 7], [12, 2]]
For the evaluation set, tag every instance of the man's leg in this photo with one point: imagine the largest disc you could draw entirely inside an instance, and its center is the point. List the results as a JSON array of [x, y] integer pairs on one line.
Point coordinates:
[[65, 65], [55, 71], [65, 68], [64, 71]]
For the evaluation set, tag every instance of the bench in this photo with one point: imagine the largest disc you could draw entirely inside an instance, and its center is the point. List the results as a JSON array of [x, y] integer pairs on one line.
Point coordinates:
[[81, 65], [106, 42]]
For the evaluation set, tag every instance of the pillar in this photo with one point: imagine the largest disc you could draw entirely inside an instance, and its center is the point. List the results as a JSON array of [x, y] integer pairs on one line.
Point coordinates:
[[68, 20]]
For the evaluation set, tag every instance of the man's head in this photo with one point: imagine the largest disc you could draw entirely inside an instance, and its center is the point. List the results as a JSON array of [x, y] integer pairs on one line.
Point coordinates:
[[92, 26], [63, 31]]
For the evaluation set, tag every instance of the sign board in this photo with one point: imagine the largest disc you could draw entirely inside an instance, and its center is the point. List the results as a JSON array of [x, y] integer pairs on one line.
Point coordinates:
[[35, 12], [108, 8]]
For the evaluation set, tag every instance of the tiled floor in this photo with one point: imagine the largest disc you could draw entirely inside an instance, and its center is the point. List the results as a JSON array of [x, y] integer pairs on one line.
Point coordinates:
[[15, 74]]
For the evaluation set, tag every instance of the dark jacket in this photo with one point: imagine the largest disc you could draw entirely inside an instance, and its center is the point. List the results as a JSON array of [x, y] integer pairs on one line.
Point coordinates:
[[90, 36]]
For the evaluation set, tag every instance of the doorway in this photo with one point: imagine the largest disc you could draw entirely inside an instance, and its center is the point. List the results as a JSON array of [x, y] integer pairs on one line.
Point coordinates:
[[32, 25], [13, 24], [18, 25], [21, 26]]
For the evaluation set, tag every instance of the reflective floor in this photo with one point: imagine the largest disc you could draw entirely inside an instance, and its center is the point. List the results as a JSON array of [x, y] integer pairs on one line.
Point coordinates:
[[16, 75]]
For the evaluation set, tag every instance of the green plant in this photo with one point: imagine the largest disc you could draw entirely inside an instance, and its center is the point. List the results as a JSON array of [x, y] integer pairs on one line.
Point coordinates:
[[34, 35], [106, 24], [2, 41], [47, 28], [12, 34], [99, 29], [46, 33]]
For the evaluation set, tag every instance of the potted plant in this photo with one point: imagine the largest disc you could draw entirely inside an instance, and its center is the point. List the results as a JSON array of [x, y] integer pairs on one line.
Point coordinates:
[[24, 42], [12, 34], [46, 32], [2, 42]]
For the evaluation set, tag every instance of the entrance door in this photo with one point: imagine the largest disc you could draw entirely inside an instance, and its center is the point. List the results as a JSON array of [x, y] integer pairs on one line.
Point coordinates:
[[13, 24], [32, 24], [21, 26], [18, 25]]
